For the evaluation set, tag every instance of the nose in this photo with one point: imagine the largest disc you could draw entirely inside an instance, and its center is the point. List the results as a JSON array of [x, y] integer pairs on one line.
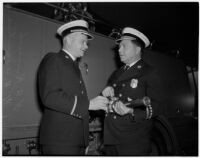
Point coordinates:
[[120, 50], [86, 46]]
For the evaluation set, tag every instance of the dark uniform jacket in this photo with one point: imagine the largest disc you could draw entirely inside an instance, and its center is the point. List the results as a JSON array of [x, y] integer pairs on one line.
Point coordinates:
[[138, 81], [64, 96]]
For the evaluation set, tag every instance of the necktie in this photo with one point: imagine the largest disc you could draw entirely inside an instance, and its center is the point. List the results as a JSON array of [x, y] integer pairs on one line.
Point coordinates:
[[126, 67]]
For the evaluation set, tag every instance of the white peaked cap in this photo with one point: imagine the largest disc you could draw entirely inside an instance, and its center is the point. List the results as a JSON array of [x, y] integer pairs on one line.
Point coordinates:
[[133, 34], [74, 26]]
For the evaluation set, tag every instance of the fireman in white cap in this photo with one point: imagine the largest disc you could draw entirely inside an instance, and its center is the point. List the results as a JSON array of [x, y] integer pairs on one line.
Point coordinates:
[[64, 126], [127, 128]]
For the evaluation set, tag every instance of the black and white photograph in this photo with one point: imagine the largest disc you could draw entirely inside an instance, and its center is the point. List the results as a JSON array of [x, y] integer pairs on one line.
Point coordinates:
[[100, 78]]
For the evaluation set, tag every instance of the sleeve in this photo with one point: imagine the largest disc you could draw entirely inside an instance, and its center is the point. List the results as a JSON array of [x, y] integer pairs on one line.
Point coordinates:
[[81, 104], [52, 93], [153, 91]]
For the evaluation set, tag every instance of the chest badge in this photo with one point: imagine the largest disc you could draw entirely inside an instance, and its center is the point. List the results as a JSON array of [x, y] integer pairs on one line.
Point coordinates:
[[134, 83]]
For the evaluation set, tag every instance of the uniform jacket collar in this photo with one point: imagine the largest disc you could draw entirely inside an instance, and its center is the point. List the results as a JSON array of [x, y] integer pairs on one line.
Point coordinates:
[[65, 55], [131, 72]]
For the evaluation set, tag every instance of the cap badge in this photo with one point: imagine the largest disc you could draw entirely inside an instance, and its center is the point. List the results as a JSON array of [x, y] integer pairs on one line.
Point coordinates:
[[134, 83]]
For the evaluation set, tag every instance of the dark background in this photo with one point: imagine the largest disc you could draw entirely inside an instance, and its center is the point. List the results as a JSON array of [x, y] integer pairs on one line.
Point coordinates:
[[172, 27]]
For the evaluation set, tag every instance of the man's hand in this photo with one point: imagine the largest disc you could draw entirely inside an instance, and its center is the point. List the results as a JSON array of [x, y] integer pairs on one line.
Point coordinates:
[[98, 103], [121, 109], [108, 92]]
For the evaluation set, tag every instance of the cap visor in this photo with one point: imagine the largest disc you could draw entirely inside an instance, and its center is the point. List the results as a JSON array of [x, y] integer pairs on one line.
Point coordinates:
[[90, 37]]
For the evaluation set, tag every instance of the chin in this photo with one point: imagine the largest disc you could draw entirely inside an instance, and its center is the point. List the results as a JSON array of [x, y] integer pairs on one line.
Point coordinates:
[[122, 60], [81, 54]]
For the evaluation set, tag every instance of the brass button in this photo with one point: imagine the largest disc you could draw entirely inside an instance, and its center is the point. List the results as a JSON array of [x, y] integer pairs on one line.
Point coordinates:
[[115, 117], [120, 95], [114, 85]]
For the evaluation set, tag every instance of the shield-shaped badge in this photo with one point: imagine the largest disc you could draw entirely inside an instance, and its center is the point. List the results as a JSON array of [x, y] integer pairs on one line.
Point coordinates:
[[134, 83]]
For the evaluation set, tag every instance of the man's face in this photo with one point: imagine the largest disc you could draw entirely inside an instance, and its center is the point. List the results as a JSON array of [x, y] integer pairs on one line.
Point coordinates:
[[128, 51], [78, 44]]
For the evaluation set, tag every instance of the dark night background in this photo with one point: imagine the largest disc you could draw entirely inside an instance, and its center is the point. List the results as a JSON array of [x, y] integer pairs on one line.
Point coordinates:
[[172, 27]]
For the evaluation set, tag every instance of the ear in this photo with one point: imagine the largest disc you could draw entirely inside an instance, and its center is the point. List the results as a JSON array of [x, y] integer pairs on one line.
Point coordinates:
[[67, 40], [138, 50]]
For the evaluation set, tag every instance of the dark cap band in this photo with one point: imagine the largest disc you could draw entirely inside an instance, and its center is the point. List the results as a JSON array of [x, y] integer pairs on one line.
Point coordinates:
[[140, 42], [69, 30]]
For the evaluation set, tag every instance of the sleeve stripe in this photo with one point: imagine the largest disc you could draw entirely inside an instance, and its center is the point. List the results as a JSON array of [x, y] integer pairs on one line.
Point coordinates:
[[74, 107]]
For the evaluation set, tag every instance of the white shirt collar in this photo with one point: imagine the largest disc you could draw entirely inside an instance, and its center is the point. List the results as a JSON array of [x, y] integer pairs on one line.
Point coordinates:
[[133, 63], [69, 54]]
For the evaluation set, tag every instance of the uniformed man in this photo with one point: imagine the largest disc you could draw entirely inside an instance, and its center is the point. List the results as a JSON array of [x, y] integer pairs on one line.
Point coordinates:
[[127, 128], [64, 126]]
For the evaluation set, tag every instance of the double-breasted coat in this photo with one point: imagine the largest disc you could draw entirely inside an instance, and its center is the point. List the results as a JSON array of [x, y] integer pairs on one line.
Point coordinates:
[[138, 81], [63, 94]]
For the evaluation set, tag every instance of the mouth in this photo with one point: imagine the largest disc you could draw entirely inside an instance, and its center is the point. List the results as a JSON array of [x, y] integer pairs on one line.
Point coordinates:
[[121, 56]]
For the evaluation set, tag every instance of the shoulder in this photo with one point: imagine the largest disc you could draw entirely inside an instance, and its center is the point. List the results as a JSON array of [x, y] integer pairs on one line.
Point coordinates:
[[148, 69], [53, 58], [50, 60], [116, 72], [49, 56], [152, 74]]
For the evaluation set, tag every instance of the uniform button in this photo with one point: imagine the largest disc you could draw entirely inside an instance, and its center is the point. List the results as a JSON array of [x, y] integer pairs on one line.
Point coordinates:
[[123, 85], [80, 82], [115, 117], [120, 95], [114, 85], [82, 92]]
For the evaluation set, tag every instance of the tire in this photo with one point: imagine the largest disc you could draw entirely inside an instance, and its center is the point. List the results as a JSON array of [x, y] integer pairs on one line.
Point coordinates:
[[164, 141]]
